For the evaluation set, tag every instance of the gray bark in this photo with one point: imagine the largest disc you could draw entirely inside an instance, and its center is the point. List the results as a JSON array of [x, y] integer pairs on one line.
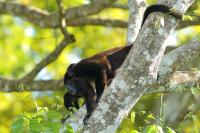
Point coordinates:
[[136, 11]]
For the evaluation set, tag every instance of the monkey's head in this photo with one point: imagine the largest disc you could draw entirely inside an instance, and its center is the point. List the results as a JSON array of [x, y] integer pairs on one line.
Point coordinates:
[[75, 85]]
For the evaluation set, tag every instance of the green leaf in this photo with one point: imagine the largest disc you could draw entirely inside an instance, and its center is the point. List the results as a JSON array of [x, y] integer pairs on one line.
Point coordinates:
[[195, 91], [134, 131], [195, 118], [54, 115], [150, 116], [35, 126], [187, 17], [169, 130], [153, 129], [197, 12], [69, 129], [18, 126], [133, 117], [52, 127]]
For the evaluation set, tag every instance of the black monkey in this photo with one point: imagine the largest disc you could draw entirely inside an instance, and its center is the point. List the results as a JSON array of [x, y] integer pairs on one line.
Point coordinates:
[[100, 68]]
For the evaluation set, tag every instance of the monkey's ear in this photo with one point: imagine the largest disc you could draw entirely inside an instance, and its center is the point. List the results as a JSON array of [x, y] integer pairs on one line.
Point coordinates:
[[70, 70]]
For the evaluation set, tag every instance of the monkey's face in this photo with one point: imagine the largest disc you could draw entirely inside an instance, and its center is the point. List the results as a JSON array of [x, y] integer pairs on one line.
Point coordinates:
[[75, 86]]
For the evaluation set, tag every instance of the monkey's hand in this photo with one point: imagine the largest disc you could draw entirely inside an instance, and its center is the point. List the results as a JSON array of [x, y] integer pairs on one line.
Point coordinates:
[[85, 120]]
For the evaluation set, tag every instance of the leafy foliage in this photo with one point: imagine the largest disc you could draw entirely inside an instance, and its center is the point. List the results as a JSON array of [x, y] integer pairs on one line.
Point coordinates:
[[41, 121]]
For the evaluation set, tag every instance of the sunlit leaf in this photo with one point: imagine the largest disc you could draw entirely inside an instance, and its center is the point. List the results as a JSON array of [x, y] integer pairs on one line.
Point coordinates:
[[134, 131], [52, 127], [152, 129], [197, 12], [169, 130], [151, 116], [195, 91], [69, 129], [54, 115], [18, 126], [35, 126], [133, 117], [195, 118], [187, 17]]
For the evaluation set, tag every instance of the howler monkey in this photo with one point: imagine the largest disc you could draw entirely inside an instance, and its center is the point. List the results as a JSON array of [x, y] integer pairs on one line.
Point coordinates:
[[100, 69]]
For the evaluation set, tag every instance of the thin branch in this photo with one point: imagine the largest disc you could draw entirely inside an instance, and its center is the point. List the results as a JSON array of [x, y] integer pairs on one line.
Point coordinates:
[[32, 14], [8, 85], [136, 11], [62, 22], [85, 10], [188, 23], [120, 6], [181, 81], [97, 22], [49, 58], [46, 19]]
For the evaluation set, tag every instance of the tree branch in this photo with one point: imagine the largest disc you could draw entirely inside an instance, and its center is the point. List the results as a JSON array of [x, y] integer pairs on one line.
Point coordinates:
[[62, 22], [32, 14], [8, 85], [180, 81], [46, 19], [120, 6], [136, 11], [97, 22], [85, 10], [49, 58], [178, 57], [187, 23]]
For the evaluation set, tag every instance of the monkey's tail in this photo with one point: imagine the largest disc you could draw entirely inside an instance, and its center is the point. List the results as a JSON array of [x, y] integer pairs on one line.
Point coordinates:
[[161, 8]]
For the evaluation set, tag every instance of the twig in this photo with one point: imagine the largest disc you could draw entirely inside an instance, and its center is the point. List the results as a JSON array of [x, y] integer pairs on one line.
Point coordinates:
[[48, 59]]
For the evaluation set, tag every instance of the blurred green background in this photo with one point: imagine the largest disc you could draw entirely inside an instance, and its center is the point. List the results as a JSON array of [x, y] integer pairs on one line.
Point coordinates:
[[23, 44]]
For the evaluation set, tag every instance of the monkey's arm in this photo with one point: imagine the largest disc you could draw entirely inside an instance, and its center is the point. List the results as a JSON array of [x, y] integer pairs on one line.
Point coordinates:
[[90, 102]]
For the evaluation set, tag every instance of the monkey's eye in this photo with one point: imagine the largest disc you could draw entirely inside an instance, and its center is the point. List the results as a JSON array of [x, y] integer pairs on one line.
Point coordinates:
[[70, 70], [70, 73]]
